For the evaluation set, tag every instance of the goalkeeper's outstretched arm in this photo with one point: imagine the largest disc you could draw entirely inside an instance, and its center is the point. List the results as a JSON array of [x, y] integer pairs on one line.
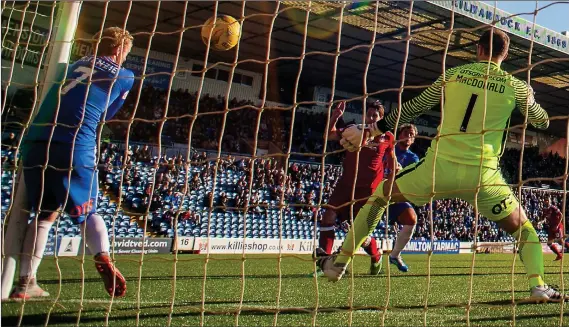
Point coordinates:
[[525, 102], [352, 137], [416, 106]]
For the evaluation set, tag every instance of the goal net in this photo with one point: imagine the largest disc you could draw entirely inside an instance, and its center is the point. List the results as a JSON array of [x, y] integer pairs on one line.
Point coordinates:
[[216, 174]]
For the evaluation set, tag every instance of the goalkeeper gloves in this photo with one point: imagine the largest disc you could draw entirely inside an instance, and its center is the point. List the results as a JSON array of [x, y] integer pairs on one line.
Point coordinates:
[[355, 136]]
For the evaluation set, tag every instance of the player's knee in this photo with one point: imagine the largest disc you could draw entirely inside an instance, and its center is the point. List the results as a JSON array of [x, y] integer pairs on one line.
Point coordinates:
[[514, 221], [48, 216], [367, 242], [90, 217], [408, 217]]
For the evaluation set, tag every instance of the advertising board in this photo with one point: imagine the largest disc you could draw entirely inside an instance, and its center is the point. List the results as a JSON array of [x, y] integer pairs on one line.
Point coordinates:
[[436, 246]]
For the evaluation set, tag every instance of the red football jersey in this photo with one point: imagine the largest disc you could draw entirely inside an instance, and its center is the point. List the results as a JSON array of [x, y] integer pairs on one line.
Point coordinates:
[[370, 169], [553, 216]]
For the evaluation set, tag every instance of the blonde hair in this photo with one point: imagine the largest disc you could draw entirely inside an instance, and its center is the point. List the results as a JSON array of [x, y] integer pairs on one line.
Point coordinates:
[[111, 38]]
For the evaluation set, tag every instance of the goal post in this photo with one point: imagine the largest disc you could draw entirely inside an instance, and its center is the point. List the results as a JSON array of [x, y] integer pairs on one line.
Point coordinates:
[[60, 50], [57, 59]]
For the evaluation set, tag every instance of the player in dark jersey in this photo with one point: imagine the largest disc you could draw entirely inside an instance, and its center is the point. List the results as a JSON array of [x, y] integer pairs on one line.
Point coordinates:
[[369, 175], [63, 136], [554, 219]]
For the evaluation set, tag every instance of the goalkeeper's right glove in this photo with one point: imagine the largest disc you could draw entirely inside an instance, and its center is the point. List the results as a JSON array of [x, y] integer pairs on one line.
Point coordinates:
[[355, 136]]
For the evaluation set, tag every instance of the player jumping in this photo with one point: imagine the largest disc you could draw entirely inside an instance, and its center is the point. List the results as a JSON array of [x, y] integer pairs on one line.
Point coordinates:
[[63, 138], [478, 101], [553, 217], [370, 173]]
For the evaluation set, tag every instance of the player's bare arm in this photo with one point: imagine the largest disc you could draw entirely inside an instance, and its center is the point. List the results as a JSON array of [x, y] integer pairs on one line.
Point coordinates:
[[392, 163], [334, 133]]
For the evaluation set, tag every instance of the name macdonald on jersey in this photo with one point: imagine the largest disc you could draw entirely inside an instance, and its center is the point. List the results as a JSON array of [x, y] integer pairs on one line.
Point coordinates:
[[472, 79]]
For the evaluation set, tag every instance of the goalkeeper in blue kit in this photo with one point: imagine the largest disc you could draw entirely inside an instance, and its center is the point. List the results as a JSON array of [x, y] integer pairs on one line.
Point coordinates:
[[63, 139], [479, 99]]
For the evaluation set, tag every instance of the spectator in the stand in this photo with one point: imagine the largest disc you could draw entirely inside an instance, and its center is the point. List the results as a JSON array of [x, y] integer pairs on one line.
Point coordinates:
[[223, 200], [106, 171], [157, 203], [169, 197], [207, 201], [10, 142], [5, 163], [195, 182]]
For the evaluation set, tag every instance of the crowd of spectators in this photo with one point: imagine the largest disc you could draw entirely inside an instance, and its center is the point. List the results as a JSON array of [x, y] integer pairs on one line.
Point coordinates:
[[299, 185], [242, 122], [173, 116], [534, 165]]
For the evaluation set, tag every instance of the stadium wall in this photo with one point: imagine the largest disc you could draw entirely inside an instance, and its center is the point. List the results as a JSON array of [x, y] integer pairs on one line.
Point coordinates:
[[515, 139], [23, 76], [217, 87]]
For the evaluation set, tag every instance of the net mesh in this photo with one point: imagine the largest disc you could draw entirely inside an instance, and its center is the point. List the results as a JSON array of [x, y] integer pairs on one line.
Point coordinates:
[[194, 160]]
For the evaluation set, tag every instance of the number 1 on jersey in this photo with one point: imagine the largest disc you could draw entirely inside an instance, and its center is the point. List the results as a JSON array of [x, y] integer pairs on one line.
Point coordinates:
[[86, 71], [468, 113]]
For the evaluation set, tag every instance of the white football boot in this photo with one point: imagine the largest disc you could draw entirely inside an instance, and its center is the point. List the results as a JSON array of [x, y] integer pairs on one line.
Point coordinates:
[[27, 289], [333, 271], [547, 293]]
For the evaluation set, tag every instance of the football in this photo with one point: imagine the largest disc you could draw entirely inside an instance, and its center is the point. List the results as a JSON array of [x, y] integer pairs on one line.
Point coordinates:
[[225, 34]]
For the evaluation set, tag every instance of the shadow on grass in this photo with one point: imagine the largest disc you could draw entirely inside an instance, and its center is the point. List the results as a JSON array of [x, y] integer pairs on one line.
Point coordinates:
[[518, 317], [192, 309]]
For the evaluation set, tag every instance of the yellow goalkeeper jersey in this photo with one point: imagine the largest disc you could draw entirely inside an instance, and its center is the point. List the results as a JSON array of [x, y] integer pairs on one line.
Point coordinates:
[[475, 113]]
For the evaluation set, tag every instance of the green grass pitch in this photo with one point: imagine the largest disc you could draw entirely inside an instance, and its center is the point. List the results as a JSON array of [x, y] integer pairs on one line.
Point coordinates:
[[287, 297]]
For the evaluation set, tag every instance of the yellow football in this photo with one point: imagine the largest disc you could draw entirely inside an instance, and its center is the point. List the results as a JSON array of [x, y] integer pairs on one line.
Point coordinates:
[[225, 34]]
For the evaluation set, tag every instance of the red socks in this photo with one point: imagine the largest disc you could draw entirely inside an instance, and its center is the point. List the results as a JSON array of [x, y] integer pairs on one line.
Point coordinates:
[[372, 250], [326, 242], [554, 248], [326, 239]]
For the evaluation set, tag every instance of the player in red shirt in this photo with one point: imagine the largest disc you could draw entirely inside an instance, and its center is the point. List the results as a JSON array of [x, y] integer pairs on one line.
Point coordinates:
[[370, 174], [553, 217]]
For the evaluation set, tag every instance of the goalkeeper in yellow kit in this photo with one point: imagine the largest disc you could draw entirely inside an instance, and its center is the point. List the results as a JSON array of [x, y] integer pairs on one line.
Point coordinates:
[[463, 158]]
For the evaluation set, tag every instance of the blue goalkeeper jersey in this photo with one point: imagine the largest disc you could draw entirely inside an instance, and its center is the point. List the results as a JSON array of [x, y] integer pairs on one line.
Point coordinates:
[[82, 107]]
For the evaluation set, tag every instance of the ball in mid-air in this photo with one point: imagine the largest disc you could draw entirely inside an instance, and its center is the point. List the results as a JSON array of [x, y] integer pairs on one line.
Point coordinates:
[[225, 34]]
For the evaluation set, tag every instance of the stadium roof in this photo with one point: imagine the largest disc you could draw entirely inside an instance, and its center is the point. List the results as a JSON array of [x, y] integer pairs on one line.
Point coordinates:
[[429, 20]]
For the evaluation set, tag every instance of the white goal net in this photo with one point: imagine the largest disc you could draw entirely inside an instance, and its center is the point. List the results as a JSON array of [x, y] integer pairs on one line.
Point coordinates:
[[215, 174]]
